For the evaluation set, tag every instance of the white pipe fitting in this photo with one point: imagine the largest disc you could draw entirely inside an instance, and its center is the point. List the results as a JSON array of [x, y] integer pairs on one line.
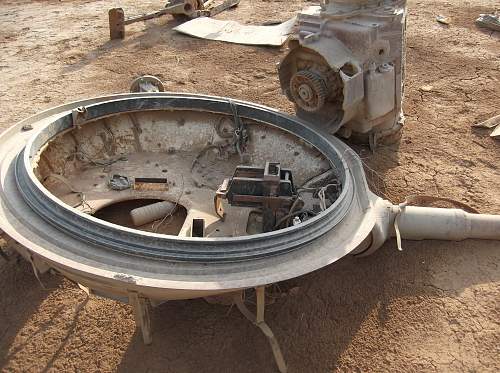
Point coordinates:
[[426, 223], [420, 223], [149, 213]]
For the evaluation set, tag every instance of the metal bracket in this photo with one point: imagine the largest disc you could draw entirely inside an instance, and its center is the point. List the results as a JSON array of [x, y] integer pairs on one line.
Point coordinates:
[[141, 315], [258, 320], [219, 196], [117, 20], [227, 4], [79, 115], [3, 254]]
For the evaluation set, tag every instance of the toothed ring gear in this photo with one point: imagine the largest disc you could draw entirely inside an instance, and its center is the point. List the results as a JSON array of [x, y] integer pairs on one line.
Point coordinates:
[[309, 90]]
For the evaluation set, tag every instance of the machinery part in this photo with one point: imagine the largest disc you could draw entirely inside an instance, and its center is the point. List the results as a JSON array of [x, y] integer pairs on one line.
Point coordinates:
[[308, 90], [118, 182], [3, 254], [214, 10], [148, 268], [258, 320], [353, 51], [186, 8], [124, 251], [150, 213], [116, 17], [430, 223], [147, 83], [168, 248], [270, 189], [142, 318], [179, 9]]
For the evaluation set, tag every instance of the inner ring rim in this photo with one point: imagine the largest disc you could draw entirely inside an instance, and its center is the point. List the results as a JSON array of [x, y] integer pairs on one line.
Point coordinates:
[[174, 248]]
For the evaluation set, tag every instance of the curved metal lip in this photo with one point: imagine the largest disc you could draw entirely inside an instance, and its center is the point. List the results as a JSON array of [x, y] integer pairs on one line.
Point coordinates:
[[172, 248]]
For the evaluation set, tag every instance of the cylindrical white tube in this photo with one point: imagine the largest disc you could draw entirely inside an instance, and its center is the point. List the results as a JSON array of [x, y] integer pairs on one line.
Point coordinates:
[[150, 213], [419, 223]]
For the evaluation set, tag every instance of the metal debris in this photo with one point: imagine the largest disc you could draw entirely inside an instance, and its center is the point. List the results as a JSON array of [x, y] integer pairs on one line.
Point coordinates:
[[496, 133], [147, 83], [119, 182], [270, 188], [234, 32], [350, 84], [426, 88], [179, 9], [491, 123], [443, 20], [490, 21]]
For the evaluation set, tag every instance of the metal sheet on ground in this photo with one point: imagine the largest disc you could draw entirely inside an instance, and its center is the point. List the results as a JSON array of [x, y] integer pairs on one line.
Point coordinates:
[[234, 32]]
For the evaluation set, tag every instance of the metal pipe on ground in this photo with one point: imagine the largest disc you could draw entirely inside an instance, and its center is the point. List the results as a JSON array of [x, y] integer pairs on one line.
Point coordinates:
[[420, 223]]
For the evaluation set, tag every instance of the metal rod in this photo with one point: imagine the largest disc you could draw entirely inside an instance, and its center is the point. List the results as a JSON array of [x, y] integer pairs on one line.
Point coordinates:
[[258, 320]]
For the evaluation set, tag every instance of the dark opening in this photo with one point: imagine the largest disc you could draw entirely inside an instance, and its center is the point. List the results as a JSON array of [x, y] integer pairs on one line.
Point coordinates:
[[198, 228], [119, 213]]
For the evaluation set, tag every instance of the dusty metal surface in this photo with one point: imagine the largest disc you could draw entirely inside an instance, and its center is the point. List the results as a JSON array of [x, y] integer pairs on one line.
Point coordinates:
[[132, 259], [239, 33], [180, 9], [141, 267], [345, 68], [269, 189]]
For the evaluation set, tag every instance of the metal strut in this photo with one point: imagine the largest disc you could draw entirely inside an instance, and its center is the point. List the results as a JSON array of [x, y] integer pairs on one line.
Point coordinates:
[[3, 254], [141, 315], [258, 320]]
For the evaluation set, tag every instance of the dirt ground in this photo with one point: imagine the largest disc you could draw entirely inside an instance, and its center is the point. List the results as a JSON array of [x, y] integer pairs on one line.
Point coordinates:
[[435, 307]]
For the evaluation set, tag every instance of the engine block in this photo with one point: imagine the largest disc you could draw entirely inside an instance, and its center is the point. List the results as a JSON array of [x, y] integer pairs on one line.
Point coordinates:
[[345, 67]]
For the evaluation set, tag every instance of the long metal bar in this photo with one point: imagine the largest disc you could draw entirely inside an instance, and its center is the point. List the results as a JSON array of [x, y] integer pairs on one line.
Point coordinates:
[[145, 17]]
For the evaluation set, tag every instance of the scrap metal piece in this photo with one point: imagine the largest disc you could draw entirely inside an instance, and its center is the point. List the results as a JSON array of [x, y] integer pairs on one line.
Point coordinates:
[[116, 17], [186, 8], [234, 32], [147, 83], [491, 123], [227, 4], [177, 8], [270, 188], [141, 315], [352, 54], [79, 115], [443, 20], [258, 320], [490, 21], [119, 182], [496, 132]]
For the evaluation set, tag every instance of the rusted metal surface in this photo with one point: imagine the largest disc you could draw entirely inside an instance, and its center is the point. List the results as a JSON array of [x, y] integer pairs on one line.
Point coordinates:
[[345, 67], [147, 83], [116, 18], [177, 8], [269, 189]]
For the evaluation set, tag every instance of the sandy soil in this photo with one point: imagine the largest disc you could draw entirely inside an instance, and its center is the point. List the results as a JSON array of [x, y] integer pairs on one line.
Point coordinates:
[[433, 307]]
